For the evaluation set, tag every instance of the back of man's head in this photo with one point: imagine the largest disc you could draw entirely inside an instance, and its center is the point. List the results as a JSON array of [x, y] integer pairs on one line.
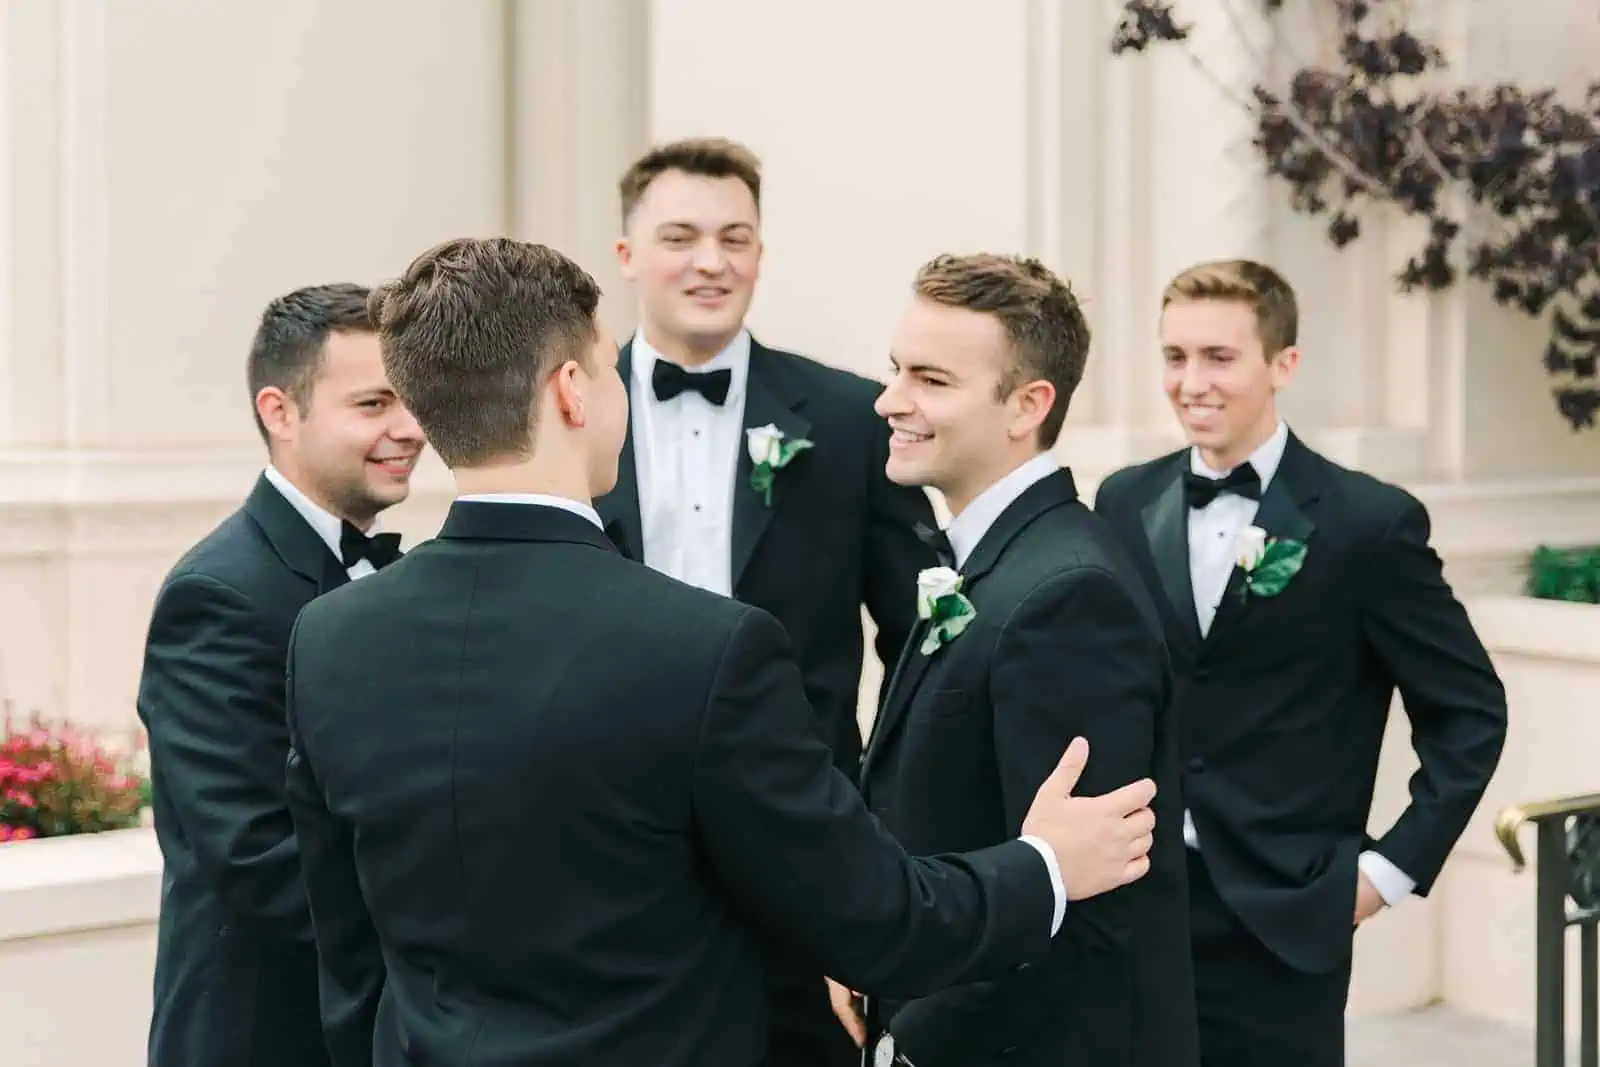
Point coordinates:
[[470, 332]]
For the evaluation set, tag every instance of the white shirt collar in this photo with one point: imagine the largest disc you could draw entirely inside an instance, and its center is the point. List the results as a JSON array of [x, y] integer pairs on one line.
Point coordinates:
[[328, 526], [1264, 459], [735, 356], [577, 507], [968, 528]]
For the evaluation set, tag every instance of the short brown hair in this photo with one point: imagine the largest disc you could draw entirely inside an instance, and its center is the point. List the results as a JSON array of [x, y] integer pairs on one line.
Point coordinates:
[[470, 332], [292, 336], [1040, 314], [1244, 281], [707, 157]]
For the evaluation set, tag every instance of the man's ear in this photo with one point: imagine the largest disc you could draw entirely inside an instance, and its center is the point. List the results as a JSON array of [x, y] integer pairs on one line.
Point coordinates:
[[624, 250], [568, 392], [1283, 366], [276, 411], [1034, 401]]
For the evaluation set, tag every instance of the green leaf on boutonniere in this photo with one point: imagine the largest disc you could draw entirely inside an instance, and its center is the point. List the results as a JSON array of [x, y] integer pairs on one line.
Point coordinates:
[[770, 452], [1280, 561], [941, 603]]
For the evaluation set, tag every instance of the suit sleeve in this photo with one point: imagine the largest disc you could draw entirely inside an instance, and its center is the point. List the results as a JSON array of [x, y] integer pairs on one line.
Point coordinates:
[[1076, 659], [794, 844], [894, 556], [1451, 693], [212, 695], [350, 960]]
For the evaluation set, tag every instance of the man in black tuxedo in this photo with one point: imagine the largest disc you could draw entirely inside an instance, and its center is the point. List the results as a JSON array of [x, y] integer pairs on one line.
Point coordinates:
[[545, 794], [1298, 597], [829, 534], [1052, 635], [236, 965]]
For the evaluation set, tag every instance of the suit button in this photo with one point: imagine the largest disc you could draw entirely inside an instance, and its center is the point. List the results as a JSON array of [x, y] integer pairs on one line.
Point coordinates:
[[1021, 967], [1197, 765], [1008, 1050]]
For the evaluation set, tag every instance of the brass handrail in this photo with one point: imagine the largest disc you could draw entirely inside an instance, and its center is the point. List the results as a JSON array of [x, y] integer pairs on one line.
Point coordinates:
[[1514, 818]]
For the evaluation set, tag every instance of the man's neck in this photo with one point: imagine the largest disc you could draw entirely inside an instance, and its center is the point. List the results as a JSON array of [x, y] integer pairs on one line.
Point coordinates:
[[290, 473], [959, 499], [523, 476], [685, 352], [1225, 460]]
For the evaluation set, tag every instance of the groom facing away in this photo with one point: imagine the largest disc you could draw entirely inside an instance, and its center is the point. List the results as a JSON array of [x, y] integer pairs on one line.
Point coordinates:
[[546, 795]]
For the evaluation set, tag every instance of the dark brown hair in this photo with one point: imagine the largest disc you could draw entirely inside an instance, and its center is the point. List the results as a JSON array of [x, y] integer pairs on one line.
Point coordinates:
[[291, 340], [707, 157], [1244, 281], [472, 329], [1040, 315]]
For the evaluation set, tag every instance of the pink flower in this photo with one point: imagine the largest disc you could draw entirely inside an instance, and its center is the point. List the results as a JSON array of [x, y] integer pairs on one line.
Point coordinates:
[[21, 833], [5, 832]]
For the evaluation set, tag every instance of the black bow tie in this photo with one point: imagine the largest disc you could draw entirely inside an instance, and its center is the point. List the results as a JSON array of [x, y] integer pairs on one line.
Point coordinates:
[[379, 549], [1243, 481], [669, 380], [939, 541]]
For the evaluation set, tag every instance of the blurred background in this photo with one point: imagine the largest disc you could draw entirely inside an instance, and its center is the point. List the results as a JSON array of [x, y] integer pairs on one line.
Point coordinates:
[[169, 166]]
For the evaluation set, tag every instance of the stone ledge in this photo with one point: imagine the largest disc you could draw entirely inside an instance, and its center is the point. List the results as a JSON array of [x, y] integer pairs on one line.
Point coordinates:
[[64, 885], [1538, 629], [219, 475]]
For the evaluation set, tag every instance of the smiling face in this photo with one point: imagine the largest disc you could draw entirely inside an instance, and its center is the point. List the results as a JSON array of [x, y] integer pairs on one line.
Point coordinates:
[[693, 248], [353, 446], [954, 425], [1219, 378]]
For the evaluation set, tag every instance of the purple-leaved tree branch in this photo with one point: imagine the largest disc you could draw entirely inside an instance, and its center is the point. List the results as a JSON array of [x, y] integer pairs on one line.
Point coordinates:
[[1507, 177]]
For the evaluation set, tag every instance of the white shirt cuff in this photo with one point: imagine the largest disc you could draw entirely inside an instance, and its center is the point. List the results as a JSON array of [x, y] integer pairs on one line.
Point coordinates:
[[1060, 887], [1392, 884]]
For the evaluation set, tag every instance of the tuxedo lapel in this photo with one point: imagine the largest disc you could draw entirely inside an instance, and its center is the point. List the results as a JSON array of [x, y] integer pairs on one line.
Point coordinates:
[[768, 400], [1166, 528], [1047, 493], [903, 684], [302, 550], [1282, 515], [619, 509]]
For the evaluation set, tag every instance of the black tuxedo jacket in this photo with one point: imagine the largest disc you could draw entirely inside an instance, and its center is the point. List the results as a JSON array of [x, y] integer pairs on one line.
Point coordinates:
[[1283, 704], [838, 535], [544, 794], [236, 965], [1065, 643]]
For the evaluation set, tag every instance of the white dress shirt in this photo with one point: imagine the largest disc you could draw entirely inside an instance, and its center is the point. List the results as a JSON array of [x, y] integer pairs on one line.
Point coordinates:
[[1213, 536], [577, 507], [328, 526], [968, 528], [964, 532], [686, 451]]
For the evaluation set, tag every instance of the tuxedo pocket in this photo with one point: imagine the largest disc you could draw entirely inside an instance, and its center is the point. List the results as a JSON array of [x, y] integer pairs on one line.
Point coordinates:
[[946, 704]]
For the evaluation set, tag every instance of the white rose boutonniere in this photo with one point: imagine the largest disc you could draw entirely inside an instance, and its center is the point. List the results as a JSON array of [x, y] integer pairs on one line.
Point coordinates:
[[1268, 563], [770, 452], [1251, 546], [941, 602]]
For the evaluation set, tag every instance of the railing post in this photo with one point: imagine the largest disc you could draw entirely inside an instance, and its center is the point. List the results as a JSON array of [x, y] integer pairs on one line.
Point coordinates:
[[1550, 941], [1589, 1048]]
